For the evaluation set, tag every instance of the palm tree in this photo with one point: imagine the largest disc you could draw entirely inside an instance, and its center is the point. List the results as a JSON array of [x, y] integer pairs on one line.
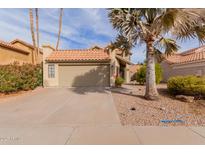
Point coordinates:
[[60, 28], [32, 33], [121, 43], [37, 31], [152, 26]]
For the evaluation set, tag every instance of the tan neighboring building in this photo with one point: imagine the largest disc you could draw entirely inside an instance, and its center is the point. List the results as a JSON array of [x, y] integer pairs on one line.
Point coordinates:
[[18, 51], [191, 62], [95, 67], [133, 70]]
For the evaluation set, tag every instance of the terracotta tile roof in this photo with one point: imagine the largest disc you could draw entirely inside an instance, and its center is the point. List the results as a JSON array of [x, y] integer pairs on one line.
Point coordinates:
[[78, 55], [123, 59], [196, 54], [10, 46]]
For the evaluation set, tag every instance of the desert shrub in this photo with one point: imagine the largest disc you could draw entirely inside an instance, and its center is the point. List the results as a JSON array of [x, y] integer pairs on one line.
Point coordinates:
[[16, 77], [141, 74], [158, 73], [187, 85], [119, 81]]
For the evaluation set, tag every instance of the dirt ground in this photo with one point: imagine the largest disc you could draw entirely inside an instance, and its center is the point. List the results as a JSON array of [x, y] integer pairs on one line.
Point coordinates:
[[133, 109]]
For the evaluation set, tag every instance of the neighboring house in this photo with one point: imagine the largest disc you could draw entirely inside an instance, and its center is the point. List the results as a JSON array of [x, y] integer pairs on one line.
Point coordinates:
[[18, 51], [133, 70], [191, 62], [82, 68]]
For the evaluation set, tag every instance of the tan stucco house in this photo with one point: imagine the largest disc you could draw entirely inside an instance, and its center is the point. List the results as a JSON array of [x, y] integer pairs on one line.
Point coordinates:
[[18, 51], [133, 70], [191, 62], [83, 68]]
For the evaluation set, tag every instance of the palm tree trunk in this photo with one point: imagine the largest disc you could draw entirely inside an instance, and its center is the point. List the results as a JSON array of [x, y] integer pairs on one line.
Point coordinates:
[[37, 32], [32, 34], [151, 90], [60, 28]]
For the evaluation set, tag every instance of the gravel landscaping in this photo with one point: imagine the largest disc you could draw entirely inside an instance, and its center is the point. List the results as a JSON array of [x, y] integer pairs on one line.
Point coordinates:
[[133, 109]]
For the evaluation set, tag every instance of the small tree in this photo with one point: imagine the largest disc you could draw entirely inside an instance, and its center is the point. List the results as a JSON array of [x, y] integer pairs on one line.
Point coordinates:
[[158, 73], [141, 74]]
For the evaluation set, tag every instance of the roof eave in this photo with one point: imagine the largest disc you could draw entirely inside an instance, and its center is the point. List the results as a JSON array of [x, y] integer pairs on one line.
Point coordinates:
[[78, 61], [14, 48], [124, 60]]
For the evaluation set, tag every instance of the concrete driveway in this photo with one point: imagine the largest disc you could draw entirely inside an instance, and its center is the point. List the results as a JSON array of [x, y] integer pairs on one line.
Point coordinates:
[[59, 106], [79, 116]]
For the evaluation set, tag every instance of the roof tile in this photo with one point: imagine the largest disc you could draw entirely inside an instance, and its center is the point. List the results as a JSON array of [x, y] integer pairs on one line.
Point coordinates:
[[187, 56], [79, 55]]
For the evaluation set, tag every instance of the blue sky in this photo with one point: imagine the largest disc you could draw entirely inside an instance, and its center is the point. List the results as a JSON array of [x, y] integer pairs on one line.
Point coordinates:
[[82, 28]]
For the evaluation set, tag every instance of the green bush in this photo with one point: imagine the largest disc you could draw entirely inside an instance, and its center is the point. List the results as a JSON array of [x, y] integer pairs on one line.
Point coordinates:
[[187, 85], [16, 77], [141, 74], [158, 73], [119, 81]]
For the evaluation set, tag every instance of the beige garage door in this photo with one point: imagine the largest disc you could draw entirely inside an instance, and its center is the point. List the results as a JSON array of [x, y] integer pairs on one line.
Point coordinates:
[[83, 76]]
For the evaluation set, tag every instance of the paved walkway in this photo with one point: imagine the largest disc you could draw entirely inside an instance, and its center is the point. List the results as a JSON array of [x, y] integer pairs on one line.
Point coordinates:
[[79, 116], [101, 135]]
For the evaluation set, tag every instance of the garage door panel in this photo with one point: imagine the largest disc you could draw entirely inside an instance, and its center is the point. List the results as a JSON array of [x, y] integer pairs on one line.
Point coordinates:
[[82, 76]]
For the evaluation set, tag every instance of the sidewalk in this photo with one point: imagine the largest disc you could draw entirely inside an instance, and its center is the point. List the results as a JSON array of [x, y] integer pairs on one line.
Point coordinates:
[[102, 135]]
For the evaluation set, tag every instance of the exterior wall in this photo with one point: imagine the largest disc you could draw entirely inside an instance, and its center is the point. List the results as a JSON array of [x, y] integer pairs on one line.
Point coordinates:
[[49, 82], [8, 56], [197, 69], [30, 56], [167, 71], [114, 64], [38, 59], [115, 67]]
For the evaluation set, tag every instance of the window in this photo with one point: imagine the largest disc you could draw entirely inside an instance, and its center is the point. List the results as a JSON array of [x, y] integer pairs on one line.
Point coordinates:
[[51, 71]]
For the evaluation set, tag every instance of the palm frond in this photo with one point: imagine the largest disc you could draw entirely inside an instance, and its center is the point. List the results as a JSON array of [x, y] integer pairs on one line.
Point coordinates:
[[121, 43], [168, 45], [159, 56], [189, 24], [126, 22]]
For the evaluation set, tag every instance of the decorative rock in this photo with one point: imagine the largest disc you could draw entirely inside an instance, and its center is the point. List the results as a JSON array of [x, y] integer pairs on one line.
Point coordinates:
[[184, 98], [162, 108]]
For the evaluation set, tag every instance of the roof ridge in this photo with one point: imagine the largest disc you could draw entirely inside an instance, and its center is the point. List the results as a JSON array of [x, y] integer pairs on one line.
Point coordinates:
[[191, 51], [8, 45], [22, 41], [79, 50]]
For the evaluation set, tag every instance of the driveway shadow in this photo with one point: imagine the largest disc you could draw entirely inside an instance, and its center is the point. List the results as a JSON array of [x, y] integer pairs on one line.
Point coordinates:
[[92, 81], [125, 91], [86, 90]]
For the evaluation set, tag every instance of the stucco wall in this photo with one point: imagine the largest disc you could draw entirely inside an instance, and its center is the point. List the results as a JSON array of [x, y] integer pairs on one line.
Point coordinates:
[[49, 82], [113, 67], [167, 71], [8, 56], [197, 69], [38, 59]]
